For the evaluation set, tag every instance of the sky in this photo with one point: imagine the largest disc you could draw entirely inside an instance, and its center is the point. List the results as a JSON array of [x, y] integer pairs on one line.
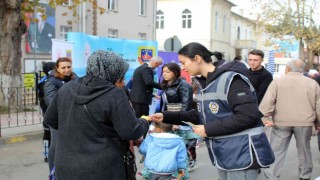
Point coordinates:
[[242, 5], [240, 2], [247, 8]]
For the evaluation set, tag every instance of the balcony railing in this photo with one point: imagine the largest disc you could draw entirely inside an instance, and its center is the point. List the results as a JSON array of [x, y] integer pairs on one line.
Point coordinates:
[[245, 44]]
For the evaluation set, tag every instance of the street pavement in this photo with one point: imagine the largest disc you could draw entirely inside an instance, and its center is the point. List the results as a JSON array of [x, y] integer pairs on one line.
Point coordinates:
[[24, 160]]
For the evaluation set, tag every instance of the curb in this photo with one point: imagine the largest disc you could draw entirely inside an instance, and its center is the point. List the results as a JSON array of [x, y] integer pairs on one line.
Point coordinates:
[[21, 137]]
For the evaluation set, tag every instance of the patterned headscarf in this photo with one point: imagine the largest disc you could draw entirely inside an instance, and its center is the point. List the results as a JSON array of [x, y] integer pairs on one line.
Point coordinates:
[[106, 65]]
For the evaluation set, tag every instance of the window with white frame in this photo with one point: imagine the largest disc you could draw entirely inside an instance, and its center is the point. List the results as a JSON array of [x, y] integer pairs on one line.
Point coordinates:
[[216, 18], [112, 33], [142, 36], [112, 5], [186, 19], [246, 34], [142, 7], [64, 32], [276, 67], [160, 20], [224, 23]]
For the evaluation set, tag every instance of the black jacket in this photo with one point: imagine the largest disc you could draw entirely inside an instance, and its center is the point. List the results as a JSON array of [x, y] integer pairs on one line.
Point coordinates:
[[142, 85], [52, 85], [260, 80], [245, 108], [179, 92], [82, 151]]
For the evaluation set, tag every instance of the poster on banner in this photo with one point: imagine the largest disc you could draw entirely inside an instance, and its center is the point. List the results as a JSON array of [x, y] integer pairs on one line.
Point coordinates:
[[172, 57], [62, 48], [135, 52], [40, 29]]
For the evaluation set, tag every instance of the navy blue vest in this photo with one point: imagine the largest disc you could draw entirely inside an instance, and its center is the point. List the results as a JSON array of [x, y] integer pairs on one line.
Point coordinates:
[[234, 151]]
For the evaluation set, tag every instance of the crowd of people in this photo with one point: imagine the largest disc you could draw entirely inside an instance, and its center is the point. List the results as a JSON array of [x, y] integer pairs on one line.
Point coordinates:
[[245, 117]]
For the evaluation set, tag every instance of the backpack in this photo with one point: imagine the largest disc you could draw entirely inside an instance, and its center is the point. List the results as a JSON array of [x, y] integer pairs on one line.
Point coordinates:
[[40, 91]]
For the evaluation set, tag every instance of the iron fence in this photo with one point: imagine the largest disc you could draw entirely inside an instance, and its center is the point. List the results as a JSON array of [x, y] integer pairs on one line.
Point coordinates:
[[21, 109]]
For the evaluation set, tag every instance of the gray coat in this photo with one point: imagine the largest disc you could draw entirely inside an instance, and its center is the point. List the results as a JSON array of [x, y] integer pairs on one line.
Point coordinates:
[[82, 151]]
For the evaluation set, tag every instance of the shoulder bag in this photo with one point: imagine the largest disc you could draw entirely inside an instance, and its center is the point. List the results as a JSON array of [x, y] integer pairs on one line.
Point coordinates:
[[170, 106]]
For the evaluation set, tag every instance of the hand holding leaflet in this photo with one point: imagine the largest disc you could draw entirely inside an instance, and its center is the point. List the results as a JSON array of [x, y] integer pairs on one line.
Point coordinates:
[[145, 117]]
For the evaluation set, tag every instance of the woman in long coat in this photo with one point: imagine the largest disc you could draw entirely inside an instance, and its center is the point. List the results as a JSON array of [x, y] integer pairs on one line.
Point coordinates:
[[83, 151]]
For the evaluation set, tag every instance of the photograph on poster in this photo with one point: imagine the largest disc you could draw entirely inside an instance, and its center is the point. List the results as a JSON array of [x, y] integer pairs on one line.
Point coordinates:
[[40, 30]]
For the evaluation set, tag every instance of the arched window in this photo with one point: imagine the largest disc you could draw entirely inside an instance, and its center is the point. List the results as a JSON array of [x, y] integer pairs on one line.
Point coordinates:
[[246, 35], [160, 20], [216, 18], [224, 23], [186, 19]]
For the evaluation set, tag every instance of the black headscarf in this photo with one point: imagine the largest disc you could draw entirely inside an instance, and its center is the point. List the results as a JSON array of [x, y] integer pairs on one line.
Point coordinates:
[[106, 65]]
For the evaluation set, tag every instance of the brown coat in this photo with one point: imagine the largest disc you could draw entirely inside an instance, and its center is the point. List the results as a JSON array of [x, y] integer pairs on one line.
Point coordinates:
[[292, 100]]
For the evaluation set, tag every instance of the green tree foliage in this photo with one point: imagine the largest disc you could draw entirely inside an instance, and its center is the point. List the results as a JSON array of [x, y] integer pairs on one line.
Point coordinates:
[[13, 14], [295, 18]]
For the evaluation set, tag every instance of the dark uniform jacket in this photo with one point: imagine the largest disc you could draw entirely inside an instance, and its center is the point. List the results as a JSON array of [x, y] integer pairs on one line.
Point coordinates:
[[245, 113]]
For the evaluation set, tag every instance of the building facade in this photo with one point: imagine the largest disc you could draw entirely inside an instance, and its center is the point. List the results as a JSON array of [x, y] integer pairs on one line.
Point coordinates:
[[209, 22], [121, 19]]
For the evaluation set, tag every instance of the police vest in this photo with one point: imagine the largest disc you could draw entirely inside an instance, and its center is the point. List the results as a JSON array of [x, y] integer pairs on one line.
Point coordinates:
[[234, 151]]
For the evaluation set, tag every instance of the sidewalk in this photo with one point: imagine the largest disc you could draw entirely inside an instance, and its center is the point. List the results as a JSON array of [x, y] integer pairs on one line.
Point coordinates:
[[22, 133]]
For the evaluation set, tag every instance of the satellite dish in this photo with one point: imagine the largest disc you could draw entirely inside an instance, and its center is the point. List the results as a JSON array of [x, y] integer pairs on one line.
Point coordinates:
[[172, 44]]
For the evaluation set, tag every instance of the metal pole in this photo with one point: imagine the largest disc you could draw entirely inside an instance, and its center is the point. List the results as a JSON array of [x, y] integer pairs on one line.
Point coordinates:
[[82, 19], [172, 44], [154, 21], [35, 55], [35, 41]]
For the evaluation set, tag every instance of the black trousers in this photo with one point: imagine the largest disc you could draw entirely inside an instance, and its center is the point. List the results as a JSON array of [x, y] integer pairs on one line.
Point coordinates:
[[140, 109]]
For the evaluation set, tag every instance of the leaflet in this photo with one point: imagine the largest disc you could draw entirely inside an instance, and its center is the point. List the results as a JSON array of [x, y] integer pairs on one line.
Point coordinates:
[[188, 123]]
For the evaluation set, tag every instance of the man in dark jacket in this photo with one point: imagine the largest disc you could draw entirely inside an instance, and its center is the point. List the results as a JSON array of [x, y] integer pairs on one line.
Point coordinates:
[[142, 86], [259, 77], [83, 150]]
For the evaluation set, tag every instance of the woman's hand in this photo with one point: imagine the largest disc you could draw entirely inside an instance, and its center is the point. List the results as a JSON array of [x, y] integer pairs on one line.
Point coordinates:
[[175, 127], [199, 129], [268, 123], [158, 117], [157, 96]]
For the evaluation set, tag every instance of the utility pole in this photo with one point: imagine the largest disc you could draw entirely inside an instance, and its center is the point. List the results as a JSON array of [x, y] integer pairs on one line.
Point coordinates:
[[35, 46], [95, 17]]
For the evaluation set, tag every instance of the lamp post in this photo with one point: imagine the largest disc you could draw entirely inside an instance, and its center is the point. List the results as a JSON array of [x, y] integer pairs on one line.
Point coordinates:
[[35, 39], [35, 54]]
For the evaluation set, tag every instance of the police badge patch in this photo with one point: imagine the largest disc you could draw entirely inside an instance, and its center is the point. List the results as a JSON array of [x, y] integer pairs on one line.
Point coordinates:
[[214, 107], [199, 106]]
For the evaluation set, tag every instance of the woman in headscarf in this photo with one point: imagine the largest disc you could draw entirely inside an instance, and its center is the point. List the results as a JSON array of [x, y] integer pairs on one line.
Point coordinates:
[[83, 150]]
